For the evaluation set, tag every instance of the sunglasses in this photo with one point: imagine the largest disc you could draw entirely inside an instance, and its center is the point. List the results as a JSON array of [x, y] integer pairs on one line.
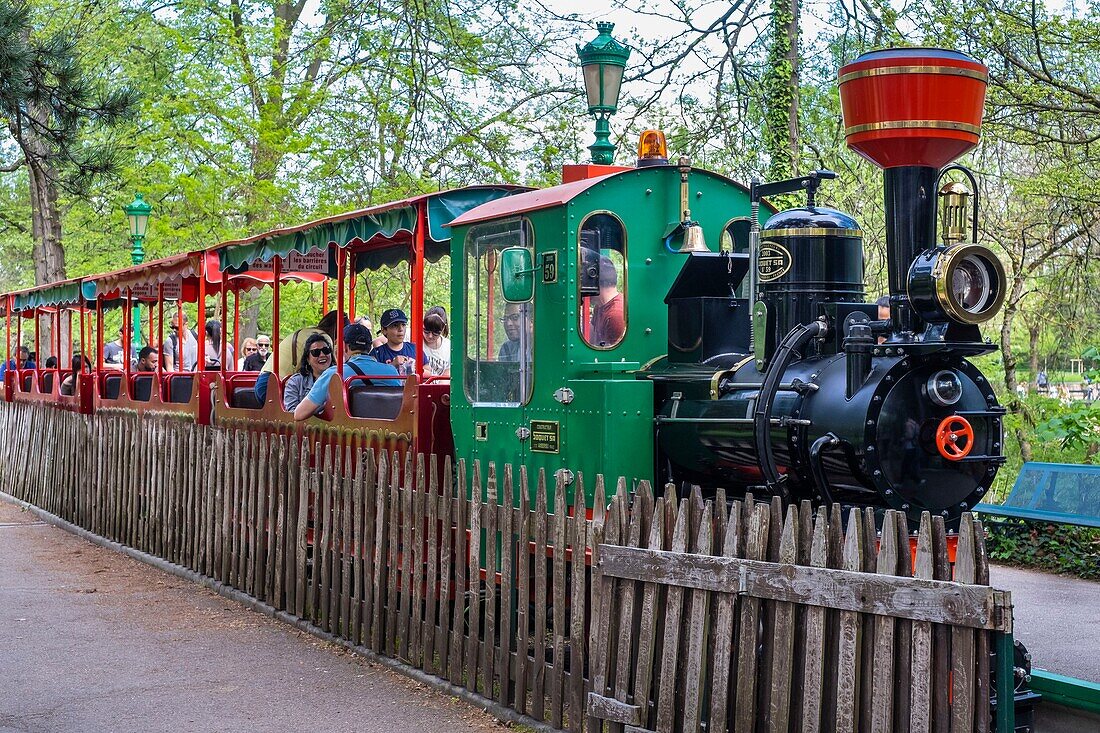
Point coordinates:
[[510, 318], [249, 348], [323, 351], [433, 333]]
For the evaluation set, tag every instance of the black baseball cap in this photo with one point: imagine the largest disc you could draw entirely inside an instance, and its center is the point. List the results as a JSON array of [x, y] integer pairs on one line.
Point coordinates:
[[358, 337], [392, 316]]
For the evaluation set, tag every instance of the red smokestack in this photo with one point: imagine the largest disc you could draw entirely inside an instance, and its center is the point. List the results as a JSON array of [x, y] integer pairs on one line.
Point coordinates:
[[912, 106], [911, 111]]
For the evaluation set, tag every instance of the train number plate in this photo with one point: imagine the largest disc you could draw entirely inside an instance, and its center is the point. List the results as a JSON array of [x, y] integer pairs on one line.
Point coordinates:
[[549, 267], [544, 436]]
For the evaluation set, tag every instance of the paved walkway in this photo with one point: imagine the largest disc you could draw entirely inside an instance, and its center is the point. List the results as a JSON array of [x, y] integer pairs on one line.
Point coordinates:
[[1057, 618], [93, 641]]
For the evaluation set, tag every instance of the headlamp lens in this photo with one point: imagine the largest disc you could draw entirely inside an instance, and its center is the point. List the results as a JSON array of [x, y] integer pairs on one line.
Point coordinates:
[[945, 388]]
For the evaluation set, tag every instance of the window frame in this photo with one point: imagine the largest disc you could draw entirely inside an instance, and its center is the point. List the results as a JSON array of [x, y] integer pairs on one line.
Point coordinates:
[[626, 282], [472, 342]]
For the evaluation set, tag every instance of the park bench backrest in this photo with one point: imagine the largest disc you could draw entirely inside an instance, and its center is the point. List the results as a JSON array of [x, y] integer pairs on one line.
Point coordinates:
[[1053, 492]]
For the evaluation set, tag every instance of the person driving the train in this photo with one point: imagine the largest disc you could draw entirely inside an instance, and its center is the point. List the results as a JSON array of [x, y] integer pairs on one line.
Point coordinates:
[[608, 321], [509, 350], [357, 344]]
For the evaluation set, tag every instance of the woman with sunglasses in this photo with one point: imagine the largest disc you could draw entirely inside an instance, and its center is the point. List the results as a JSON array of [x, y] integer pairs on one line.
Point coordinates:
[[248, 348], [316, 358]]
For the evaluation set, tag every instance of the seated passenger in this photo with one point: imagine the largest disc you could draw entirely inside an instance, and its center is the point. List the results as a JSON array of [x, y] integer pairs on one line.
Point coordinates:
[[396, 351], [290, 350], [190, 355], [248, 348], [51, 362], [212, 354], [114, 353], [22, 361], [147, 359], [437, 347], [316, 358], [357, 340], [263, 346], [80, 363]]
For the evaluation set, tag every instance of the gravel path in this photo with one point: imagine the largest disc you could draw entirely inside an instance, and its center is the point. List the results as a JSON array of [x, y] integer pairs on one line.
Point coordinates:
[[92, 641]]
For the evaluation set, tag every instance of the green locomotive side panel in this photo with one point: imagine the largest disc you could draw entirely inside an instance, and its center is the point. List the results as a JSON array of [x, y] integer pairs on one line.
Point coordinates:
[[551, 383]]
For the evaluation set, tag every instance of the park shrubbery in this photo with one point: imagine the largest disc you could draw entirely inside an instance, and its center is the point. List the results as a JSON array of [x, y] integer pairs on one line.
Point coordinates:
[[1060, 548], [1058, 433]]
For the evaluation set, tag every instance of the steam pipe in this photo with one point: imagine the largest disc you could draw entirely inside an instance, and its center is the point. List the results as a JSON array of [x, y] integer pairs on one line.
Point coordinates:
[[817, 470], [857, 347], [910, 193], [798, 337], [754, 255]]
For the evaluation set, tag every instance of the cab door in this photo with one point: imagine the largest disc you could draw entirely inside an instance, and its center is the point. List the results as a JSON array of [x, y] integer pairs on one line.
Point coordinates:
[[497, 369]]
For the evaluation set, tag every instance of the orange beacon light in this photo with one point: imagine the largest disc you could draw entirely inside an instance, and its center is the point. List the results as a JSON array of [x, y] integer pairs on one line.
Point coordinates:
[[652, 149]]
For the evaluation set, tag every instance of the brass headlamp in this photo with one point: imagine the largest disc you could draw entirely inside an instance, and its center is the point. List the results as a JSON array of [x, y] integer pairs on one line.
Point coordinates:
[[961, 280]]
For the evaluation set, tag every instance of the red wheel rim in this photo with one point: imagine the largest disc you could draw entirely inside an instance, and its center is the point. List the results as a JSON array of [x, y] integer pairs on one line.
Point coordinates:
[[954, 438]]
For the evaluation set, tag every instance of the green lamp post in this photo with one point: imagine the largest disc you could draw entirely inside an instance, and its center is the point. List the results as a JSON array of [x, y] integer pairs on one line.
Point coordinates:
[[602, 61], [137, 212]]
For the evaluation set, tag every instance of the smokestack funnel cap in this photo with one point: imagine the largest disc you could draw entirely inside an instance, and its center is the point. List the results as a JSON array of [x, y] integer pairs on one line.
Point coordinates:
[[913, 106]]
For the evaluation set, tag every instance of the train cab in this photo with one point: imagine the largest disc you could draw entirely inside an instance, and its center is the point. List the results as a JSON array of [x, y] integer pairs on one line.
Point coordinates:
[[558, 300]]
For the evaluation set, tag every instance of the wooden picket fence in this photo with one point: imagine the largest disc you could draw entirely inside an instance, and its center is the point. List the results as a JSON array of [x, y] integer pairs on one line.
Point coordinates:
[[653, 614]]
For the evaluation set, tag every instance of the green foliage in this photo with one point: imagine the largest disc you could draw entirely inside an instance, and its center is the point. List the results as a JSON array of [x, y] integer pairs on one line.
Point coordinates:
[[1077, 427], [779, 86], [1061, 548], [51, 102]]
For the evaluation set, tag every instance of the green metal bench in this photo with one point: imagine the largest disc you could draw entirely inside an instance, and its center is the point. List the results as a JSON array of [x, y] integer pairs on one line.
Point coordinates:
[[1052, 492], [1061, 494]]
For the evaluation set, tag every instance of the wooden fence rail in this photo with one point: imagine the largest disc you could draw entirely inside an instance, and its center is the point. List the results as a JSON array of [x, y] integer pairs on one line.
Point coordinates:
[[652, 614]]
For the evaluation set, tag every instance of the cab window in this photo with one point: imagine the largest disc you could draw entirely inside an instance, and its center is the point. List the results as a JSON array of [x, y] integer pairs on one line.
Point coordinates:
[[602, 281], [499, 336]]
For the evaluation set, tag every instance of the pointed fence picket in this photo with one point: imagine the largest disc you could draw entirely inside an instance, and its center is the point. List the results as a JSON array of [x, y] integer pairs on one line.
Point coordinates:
[[650, 613]]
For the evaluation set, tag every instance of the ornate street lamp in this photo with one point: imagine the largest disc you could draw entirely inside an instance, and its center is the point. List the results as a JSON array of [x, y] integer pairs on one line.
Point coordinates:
[[137, 211], [602, 61]]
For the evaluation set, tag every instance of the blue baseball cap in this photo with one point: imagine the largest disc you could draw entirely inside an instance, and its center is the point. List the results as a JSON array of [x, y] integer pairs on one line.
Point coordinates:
[[358, 337], [392, 316]]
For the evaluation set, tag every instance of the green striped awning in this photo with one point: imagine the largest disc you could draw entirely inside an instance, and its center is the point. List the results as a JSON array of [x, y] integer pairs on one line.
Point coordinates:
[[65, 293], [391, 221]]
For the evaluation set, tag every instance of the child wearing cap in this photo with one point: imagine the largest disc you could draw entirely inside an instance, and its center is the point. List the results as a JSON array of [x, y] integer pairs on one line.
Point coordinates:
[[396, 350]]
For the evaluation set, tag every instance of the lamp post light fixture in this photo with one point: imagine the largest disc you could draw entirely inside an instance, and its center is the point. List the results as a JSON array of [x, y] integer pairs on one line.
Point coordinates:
[[137, 212], [602, 62]]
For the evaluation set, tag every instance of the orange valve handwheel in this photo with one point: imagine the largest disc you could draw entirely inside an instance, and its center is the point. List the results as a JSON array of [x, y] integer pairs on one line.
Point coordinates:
[[954, 438]]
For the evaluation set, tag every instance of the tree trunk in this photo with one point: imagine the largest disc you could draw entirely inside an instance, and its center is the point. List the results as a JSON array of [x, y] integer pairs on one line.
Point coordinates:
[[792, 105], [781, 135], [1033, 349], [48, 253], [1009, 360]]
